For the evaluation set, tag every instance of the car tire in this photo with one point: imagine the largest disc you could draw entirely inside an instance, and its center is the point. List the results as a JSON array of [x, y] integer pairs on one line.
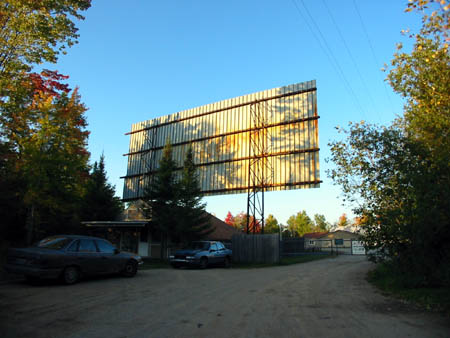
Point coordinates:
[[70, 275], [203, 263], [130, 269], [227, 262], [175, 266]]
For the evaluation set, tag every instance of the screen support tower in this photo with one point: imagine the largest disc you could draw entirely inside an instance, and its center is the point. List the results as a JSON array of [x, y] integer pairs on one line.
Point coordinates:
[[260, 168], [148, 160]]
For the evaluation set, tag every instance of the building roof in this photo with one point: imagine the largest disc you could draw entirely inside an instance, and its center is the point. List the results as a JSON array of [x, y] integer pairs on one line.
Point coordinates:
[[222, 231], [315, 234], [335, 234]]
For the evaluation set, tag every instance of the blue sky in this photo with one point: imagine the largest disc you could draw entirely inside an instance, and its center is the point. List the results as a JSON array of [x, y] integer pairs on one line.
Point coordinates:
[[137, 60]]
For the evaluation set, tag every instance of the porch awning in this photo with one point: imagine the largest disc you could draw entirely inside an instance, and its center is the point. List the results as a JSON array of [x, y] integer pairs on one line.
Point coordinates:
[[115, 224]]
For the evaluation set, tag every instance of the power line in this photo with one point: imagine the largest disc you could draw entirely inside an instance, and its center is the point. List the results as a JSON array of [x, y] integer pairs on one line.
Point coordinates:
[[328, 52], [373, 54], [352, 59]]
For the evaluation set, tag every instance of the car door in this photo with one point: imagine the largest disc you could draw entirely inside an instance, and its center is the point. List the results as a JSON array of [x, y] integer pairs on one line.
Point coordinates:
[[88, 258], [213, 253], [110, 259], [221, 252]]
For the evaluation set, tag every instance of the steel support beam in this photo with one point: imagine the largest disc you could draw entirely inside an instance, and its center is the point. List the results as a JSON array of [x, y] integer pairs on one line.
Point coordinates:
[[260, 168], [149, 165]]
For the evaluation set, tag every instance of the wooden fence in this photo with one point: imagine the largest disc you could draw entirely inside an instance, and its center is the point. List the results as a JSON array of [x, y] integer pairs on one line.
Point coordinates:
[[256, 248]]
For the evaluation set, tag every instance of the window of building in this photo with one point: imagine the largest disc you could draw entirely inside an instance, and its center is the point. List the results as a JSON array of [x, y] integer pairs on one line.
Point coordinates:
[[338, 241]]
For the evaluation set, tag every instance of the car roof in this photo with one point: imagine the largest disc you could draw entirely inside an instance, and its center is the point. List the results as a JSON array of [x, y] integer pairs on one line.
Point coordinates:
[[76, 237], [205, 242]]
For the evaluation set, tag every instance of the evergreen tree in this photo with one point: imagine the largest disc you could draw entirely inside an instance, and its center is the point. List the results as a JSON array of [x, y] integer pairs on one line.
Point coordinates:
[[175, 207], [12, 187], [193, 222], [162, 198], [100, 202]]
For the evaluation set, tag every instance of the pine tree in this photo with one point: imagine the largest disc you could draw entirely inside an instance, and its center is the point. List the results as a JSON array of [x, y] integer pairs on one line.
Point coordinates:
[[162, 198], [100, 202], [193, 223], [175, 207]]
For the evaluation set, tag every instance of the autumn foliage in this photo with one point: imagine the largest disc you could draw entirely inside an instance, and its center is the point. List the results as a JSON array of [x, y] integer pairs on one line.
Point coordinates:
[[44, 129], [240, 222], [44, 165]]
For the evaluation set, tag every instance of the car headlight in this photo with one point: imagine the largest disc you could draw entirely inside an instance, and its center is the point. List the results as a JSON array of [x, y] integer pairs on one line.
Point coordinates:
[[171, 256], [190, 257]]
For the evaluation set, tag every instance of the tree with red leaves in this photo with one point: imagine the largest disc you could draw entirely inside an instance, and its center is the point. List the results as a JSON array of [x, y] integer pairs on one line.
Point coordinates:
[[43, 126], [240, 222], [254, 226], [43, 156], [229, 219]]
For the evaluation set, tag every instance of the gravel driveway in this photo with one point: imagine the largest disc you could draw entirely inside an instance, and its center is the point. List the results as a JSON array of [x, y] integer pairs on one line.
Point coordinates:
[[325, 298]]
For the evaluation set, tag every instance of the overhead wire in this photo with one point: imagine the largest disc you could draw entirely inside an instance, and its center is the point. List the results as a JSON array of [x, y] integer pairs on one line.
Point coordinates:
[[366, 88], [329, 53], [377, 64]]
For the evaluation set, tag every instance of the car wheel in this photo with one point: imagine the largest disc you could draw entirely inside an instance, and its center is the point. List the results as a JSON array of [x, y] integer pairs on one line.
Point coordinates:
[[130, 269], [71, 275], [203, 262], [175, 266], [227, 262]]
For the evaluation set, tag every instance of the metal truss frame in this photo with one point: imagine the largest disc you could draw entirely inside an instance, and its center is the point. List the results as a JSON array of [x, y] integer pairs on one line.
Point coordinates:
[[260, 168], [148, 163]]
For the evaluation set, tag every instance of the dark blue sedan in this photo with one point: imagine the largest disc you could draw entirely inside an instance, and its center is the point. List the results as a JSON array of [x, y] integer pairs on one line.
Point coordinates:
[[202, 254]]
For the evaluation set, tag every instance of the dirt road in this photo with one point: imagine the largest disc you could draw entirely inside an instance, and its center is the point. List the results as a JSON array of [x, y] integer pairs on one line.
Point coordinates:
[[326, 298]]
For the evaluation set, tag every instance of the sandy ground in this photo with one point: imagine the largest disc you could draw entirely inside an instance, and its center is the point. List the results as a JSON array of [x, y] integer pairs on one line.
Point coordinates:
[[326, 298]]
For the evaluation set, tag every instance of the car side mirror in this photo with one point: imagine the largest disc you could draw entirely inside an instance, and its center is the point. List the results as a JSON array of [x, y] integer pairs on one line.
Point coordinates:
[[116, 251]]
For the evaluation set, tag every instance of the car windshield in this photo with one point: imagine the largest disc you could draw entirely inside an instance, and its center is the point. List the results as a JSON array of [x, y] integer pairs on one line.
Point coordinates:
[[55, 243], [198, 246]]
